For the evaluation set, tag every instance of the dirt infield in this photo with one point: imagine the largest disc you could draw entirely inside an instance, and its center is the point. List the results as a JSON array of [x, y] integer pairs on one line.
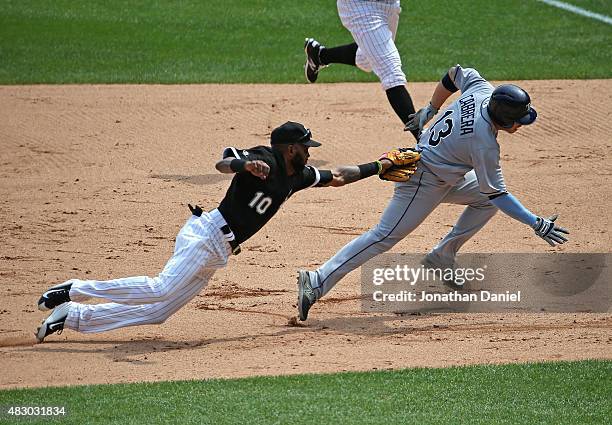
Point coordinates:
[[95, 182]]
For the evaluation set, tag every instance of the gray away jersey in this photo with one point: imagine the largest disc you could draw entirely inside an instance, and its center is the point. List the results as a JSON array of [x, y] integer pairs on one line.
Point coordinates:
[[462, 137]]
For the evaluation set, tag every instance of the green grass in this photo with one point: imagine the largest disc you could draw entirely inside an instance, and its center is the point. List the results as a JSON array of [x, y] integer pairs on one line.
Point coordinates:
[[238, 41], [551, 393], [603, 7]]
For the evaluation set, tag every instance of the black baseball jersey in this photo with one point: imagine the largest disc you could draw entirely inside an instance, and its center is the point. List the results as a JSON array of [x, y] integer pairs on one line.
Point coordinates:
[[250, 202]]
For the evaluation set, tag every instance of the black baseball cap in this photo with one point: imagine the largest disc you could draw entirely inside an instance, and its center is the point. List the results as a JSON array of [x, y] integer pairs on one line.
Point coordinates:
[[292, 132]]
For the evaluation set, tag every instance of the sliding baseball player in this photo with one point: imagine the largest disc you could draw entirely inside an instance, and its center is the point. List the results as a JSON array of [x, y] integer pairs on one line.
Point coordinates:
[[265, 177]]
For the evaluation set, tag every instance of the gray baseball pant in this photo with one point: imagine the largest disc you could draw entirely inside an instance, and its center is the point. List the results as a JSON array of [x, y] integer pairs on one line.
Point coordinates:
[[411, 203]]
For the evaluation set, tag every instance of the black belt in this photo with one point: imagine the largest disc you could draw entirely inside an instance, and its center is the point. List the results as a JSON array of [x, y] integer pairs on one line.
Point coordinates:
[[197, 211], [233, 243]]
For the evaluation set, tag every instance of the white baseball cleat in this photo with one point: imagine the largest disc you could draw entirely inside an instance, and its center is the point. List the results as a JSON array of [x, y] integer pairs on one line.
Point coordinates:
[[53, 323]]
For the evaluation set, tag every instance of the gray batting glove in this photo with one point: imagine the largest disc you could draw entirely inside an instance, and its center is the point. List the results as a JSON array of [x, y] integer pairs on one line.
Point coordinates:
[[547, 230], [418, 120]]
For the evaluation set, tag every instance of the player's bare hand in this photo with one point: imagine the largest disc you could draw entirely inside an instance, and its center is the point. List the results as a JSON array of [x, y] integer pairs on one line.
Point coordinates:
[[385, 163], [418, 120], [258, 168], [549, 231]]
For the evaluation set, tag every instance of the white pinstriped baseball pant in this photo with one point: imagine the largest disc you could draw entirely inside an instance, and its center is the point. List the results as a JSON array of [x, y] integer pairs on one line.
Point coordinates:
[[373, 25], [201, 248]]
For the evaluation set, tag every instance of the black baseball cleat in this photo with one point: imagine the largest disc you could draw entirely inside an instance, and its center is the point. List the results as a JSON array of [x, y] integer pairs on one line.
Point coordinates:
[[55, 296], [307, 295], [313, 64], [54, 323]]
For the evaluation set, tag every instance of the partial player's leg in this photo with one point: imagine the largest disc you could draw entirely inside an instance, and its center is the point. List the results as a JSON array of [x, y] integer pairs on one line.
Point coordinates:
[[313, 64], [355, 14], [411, 204], [478, 212], [373, 26], [341, 54], [402, 105], [199, 244], [105, 317], [319, 56], [200, 250]]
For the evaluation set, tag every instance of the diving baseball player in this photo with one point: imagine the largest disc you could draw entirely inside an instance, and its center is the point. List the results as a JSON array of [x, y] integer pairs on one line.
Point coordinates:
[[459, 164], [373, 25], [265, 177]]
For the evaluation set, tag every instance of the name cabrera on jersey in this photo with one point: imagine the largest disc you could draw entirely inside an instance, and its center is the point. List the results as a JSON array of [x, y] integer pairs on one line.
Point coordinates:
[[463, 137], [250, 202]]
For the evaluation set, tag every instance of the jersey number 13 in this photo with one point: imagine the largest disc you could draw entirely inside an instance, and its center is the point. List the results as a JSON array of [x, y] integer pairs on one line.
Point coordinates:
[[441, 129]]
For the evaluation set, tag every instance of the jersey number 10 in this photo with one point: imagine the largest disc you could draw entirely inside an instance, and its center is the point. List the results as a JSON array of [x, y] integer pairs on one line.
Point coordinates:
[[260, 204]]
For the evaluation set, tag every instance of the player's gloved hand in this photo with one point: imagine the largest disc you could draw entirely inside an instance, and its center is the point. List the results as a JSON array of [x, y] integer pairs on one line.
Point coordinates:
[[257, 168], [418, 120], [401, 156], [398, 174], [404, 160], [547, 230]]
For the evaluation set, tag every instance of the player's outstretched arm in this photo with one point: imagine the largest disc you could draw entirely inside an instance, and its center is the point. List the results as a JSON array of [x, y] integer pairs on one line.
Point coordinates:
[[395, 165], [543, 227], [346, 174], [234, 165]]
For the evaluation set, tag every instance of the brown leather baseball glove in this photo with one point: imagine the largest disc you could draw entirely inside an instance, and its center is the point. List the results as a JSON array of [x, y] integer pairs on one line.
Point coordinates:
[[404, 161]]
